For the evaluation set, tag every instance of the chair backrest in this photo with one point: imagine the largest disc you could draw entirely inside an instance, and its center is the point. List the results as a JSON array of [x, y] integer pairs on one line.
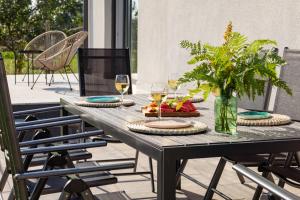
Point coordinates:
[[261, 103], [98, 69], [290, 73], [44, 41], [9, 136], [60, 55]]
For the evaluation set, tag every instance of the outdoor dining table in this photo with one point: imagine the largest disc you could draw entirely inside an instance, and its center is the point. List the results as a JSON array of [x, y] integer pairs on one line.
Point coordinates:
[[169, 150]]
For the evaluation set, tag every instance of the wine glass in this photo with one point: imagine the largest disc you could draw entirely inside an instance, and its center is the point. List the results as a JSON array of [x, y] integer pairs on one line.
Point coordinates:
[[159, 92], [122, 83], [173, 83]]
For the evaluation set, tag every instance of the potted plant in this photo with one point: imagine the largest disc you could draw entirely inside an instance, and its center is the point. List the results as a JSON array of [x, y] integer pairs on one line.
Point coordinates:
[[233, 69]]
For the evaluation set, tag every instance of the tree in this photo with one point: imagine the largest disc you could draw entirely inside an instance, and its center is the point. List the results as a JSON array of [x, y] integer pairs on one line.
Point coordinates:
[[14, 24], [22, 20], [63, 15]]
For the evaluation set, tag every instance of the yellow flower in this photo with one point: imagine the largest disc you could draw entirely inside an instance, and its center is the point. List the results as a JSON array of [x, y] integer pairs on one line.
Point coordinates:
[[228, 32]]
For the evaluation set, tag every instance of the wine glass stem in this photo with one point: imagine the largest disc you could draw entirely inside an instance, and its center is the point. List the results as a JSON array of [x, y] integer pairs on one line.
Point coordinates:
[[175, 94], [159, 111], [122, 98]]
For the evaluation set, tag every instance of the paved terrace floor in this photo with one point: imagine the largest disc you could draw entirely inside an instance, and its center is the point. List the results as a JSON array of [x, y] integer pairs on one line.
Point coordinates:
[[137, 187]]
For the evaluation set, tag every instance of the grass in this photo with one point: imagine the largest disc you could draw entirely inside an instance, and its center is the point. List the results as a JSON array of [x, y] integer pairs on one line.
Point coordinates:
[[9, 63]]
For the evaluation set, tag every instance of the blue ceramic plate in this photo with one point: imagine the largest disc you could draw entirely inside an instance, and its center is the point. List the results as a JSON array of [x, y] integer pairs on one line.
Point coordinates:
[[254, 115], [102, 99]]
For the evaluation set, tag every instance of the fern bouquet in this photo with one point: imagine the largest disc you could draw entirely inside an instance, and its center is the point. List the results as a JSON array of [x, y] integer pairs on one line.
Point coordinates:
[[235, 68]]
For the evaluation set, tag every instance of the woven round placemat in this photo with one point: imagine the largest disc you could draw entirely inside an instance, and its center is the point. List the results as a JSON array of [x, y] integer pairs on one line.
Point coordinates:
[[126, 102], [275, 120], [138, 126]]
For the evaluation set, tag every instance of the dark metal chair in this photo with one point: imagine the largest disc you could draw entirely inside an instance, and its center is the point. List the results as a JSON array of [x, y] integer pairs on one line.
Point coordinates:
[[97, 71], [18, 156], [288, 105], [33, 128], [265, 183]]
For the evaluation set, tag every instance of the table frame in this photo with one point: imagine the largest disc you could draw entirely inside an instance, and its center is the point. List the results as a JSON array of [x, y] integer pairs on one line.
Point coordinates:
[[168, 157]]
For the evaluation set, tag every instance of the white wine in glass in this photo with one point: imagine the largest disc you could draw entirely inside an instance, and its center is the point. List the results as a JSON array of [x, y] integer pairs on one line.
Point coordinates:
[[159, 92], [122, 83], [173, 83]]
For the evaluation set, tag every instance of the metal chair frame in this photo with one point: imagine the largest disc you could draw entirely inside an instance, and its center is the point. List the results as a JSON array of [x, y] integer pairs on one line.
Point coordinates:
[[265, 183], [279, 108], [14, 152]]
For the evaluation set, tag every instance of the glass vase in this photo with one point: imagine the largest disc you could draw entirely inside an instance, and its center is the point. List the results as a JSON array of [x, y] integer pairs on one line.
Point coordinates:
[[225, 114]]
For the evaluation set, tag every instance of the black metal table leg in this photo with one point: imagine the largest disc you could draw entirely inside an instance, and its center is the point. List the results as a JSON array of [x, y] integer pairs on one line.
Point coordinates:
[[166, 177]]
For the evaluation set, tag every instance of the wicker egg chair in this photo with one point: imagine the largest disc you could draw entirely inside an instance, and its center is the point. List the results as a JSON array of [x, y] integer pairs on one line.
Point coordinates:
[[39, 44], [59, 56], [44, 41]]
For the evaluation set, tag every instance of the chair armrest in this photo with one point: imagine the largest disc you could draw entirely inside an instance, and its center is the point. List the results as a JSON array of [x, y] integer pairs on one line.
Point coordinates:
[[265, 183], [69, 171], [61, 138], [38, 110], [48, 120], [49, 124], [63, 147]]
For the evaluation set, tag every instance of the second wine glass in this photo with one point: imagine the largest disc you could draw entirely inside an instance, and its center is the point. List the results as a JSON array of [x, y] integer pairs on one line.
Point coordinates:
[[122, 83], [173, 83], [159, 92]]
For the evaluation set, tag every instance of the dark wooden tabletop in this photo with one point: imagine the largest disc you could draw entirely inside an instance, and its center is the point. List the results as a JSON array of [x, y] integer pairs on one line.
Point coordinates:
[[119, 117]]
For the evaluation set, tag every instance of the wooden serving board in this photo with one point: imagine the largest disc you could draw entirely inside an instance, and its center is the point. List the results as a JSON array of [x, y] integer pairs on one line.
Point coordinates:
[[171, 114]]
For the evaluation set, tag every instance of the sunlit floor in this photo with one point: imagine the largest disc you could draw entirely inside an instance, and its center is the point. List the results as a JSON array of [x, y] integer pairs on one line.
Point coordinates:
[[21, 92]]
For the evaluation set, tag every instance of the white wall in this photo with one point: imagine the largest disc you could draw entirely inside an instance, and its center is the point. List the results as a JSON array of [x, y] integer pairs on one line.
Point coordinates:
[[99, 23], [164, 23]]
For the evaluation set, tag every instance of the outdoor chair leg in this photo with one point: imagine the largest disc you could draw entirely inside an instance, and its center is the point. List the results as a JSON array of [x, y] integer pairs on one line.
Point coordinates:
[[136, 161], [62, 75], [241, 178], [68, 78], [46, 76], [73, 73], [151, 174], [52, 78], [180, 170], [24, 77], [259, 189], [11, 195], [215, 179], [3, 179], [37, 78]]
